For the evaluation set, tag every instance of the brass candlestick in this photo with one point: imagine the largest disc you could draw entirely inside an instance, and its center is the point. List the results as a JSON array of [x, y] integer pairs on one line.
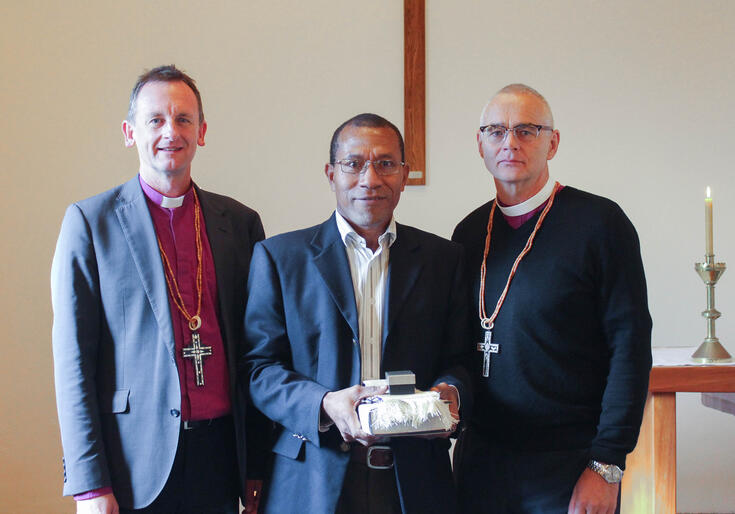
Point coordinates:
[[710, 350]]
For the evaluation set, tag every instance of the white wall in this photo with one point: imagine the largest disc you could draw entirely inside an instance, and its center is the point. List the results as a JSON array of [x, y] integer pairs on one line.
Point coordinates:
[[640, 91]]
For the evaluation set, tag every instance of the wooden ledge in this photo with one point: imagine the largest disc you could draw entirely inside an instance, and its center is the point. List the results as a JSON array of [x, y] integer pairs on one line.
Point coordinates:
[[692, 379]]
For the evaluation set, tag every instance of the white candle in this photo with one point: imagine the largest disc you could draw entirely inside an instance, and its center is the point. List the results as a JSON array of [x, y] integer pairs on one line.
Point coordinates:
[[708, 223]]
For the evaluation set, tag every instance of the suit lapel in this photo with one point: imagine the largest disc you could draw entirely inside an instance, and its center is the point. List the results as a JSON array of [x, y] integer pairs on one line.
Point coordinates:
[[404, 269], [137, 226], [330, 259], [220, 235]]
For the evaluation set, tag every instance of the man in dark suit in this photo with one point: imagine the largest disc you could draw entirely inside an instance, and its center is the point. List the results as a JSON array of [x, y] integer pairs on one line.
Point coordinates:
[[148, 285], [342, 302]]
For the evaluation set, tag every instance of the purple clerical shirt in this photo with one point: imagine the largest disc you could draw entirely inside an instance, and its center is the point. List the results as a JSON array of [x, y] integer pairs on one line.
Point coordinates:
[[175, 230]]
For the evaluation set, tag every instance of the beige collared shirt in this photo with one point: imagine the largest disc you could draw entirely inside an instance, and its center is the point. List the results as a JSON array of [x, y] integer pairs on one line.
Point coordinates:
[[369, 271]]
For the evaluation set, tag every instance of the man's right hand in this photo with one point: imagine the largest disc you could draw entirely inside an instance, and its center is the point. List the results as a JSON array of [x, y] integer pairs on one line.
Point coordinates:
[[340, 406], [105, 504]]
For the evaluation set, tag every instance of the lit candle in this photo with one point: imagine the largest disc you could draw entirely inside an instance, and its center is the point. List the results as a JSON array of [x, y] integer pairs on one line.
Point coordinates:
[[708, 223]]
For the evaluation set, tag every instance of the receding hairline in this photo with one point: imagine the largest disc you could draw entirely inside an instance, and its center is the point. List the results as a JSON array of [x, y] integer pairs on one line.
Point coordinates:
[[166, 73], [519, 89], [366, 120]]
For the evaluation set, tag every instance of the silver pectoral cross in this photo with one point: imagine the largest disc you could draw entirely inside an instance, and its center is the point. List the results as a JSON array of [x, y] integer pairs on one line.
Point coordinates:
[[196, 351], [487, 347]]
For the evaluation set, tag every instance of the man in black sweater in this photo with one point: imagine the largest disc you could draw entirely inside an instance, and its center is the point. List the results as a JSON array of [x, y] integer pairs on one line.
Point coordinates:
[[563, 329]]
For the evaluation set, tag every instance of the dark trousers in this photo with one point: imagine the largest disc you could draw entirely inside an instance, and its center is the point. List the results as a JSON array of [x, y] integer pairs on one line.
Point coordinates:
[[494, 479], [369, 491], [203, 478]]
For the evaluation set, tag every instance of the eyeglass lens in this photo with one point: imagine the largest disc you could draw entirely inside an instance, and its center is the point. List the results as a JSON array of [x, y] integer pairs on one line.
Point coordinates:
[[524, 133], [382, 167]]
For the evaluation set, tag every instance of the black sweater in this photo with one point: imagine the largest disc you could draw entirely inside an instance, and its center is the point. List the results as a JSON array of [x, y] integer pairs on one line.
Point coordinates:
[[574, 331]]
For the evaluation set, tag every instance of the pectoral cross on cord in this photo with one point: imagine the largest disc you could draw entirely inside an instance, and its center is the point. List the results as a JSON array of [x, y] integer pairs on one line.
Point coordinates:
[[196, 351], [487, 346]]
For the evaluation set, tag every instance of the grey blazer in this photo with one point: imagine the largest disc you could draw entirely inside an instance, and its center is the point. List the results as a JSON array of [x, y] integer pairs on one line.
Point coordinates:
[[117, 386]]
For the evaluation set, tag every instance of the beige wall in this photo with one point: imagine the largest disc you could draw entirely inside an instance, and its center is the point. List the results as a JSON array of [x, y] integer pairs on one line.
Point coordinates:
[[641, 93]]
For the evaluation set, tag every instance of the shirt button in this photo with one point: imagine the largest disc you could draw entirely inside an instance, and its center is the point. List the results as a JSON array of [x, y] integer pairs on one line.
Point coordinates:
[[175, 413], [344, 446]]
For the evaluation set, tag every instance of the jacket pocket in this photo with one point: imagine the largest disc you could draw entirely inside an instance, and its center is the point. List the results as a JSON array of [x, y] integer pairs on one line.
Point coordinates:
[[115, 402]]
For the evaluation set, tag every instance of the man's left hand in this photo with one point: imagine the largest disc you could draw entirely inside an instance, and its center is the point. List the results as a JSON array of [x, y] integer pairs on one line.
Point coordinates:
[[449, 393], [593, 495]]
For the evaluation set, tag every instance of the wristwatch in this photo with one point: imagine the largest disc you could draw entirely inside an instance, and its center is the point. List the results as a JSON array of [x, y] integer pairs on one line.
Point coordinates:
[[610, 472]]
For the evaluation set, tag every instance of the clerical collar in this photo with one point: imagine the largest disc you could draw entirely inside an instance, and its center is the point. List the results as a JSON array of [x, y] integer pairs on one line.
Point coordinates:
[[531, 204], [158, 199], [348, 233]]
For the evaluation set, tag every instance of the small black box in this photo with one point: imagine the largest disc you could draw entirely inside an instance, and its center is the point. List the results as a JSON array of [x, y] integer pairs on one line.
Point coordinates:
[[401, 382]]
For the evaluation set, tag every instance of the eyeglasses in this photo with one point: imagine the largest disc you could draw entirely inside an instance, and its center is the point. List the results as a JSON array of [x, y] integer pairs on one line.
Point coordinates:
[[525, 132], [359, 166]]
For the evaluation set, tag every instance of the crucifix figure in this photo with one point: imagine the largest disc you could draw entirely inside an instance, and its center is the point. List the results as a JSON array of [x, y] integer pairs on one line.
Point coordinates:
[[196, 351], [487, 347]]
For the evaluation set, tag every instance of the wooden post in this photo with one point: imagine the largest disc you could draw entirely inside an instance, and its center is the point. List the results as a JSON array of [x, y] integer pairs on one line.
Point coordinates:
[[414, 89], [649, 481]]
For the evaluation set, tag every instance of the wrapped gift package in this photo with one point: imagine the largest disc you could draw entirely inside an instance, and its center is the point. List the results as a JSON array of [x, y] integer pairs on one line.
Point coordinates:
[[418, 413]]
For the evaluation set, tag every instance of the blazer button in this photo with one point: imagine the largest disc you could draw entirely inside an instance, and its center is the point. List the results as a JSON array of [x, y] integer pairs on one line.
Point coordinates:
[[175, 413], [344, 446]]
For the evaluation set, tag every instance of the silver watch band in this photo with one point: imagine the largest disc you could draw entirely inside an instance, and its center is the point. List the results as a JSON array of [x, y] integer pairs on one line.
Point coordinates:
[[611, 473]]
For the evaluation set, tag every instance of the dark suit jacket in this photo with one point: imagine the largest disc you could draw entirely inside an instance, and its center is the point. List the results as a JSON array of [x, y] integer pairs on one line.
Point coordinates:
[[302, 333], [117, 387]]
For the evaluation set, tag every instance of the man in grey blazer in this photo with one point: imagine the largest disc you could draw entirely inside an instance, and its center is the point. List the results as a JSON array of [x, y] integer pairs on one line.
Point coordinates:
[[148, 288]]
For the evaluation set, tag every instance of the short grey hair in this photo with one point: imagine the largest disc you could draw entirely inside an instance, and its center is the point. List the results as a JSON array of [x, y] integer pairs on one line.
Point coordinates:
[[520, 89]]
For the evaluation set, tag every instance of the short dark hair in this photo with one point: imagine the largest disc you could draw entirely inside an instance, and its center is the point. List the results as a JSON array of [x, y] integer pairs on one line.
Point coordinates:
[[366, 119], [168, 73]]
